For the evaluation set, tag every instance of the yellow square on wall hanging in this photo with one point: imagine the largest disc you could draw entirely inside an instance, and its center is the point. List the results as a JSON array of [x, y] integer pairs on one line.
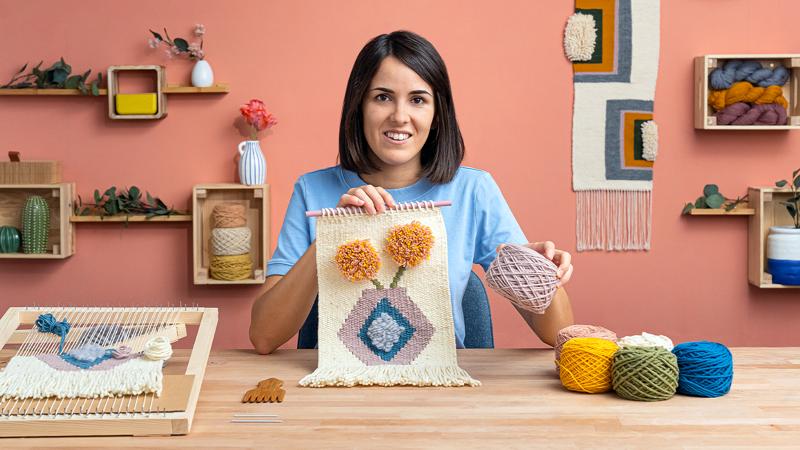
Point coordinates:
[[136, 103]]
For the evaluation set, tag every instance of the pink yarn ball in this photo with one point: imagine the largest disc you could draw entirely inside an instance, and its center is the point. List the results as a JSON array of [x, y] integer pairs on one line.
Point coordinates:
[[574, 331], [523, 276]]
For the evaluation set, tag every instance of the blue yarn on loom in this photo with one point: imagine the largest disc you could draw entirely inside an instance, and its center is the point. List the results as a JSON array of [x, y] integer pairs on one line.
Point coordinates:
[[46, 323], [750, 71], [705, 368]]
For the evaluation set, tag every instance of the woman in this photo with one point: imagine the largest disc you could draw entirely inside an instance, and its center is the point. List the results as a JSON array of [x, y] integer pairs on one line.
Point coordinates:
[[399, 141]]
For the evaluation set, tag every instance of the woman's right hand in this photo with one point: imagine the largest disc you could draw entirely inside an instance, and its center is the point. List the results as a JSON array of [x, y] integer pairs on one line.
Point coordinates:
[[373, 199]]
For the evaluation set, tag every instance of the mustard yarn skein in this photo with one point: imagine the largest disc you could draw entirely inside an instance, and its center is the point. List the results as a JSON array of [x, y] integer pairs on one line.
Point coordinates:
[[645, 373], [230, 267], [585, 364], [747, 93]]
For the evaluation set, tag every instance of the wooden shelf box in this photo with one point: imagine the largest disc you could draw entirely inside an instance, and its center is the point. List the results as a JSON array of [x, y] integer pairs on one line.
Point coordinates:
[[704, 118], [768, 212], [61, 241], [113, 90], [256, 201]]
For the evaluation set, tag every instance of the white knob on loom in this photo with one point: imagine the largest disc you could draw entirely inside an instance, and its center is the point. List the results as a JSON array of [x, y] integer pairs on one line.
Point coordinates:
[[158, 349]]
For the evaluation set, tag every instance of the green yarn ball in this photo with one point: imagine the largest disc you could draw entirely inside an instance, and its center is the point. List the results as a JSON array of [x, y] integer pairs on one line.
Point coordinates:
[[644, 373]]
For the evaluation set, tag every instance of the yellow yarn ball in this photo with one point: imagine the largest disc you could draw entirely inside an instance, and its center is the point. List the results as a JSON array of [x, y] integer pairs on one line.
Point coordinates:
[[230, 267], [585, 364]]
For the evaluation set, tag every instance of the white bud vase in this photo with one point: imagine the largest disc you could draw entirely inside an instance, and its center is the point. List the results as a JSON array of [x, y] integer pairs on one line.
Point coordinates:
[[202, 75], [252, 166]]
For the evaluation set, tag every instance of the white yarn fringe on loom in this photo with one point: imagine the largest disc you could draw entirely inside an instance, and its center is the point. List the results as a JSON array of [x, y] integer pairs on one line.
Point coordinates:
[[29, 377], [389, 375], [579, 37], [649, 140]]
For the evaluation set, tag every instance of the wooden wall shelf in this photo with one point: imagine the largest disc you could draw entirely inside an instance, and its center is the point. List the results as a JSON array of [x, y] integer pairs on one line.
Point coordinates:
[[178, 89], [170, 89], [59, 199], [704, 118], [722, 212], [256, 202], [768, 212], [136, 218], [67, 92]]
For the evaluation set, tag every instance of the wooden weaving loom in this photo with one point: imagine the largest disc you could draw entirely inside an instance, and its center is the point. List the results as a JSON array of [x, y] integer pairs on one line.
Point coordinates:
[[171, 413]]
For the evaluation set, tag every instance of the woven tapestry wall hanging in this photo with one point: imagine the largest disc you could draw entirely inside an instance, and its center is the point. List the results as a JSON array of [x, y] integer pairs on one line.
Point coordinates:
[[614, 47], [384, 300]]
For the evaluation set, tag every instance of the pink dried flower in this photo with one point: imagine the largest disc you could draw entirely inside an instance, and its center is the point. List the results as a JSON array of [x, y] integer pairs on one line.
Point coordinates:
[[152, 42], [168, 53], [199, 29], [256, 115]]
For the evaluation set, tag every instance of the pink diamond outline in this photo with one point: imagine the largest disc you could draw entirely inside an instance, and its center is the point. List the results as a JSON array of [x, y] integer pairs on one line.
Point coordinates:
[[399, 299]]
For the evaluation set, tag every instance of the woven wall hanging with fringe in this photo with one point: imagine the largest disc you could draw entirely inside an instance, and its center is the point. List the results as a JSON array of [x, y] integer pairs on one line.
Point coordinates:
[[614, 138]]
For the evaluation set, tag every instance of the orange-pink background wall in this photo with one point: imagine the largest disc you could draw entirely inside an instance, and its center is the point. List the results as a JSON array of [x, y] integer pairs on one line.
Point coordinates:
[[513, 94]]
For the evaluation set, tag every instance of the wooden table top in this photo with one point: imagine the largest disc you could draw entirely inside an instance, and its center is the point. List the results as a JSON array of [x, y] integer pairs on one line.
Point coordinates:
[[520, 405]]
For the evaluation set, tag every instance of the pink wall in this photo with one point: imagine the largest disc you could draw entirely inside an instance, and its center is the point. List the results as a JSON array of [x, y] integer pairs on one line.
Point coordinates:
[[513, 92]]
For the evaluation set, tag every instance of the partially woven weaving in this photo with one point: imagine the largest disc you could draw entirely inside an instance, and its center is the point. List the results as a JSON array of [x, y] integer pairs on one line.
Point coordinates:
[[612, 153], [382, 323]]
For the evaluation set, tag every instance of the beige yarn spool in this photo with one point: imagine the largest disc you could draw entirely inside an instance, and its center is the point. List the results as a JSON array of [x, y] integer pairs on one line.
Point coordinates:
[[523, 276], [229, 215], [574, 331], [230, 241]]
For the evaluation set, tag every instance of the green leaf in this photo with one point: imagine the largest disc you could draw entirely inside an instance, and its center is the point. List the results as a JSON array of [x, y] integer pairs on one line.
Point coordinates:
[[134, 193], [97, 197], [149, 199], [792, 210], [710, 189], [111, 191], [715, 201], [85, 211], [23, 69], [73, 82], [85, 75], [686, 208], [181, 44], [157, 36], [796, 182], [781, 183], [84, 90], [95, 89], [795, 172], [700, 203]]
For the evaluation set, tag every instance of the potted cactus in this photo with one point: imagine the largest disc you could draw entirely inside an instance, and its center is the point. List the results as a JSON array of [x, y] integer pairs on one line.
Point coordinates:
[[783, 242]]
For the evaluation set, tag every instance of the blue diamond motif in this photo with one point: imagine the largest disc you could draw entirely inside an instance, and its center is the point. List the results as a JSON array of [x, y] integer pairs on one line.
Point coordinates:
[[384, 307]]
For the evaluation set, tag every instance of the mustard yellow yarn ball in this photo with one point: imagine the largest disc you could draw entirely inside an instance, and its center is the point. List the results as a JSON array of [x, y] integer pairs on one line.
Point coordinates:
[[585, 364]]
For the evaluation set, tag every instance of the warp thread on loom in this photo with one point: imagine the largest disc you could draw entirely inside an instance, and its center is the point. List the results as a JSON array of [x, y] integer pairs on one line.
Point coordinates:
[[751, 71], [706, 368], [46, 323], [230, 241], [229, 215], [585, 364], [230, 267], [746, 92], [645, 373]]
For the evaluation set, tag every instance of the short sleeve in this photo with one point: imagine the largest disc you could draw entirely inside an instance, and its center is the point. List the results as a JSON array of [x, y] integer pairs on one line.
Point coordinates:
[[494, 222], [294, 238]]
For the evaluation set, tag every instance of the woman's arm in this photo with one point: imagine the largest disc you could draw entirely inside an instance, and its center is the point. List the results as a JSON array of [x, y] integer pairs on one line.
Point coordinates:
[[556, 317], [282, 309]]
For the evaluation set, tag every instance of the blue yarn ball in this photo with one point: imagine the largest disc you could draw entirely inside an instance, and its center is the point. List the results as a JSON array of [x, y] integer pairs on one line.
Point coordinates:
[[705, 368]]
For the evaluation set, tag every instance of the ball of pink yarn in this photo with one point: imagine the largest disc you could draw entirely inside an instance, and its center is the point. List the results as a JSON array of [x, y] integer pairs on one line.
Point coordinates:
[[574, 331], [745, 114], [523, 276]]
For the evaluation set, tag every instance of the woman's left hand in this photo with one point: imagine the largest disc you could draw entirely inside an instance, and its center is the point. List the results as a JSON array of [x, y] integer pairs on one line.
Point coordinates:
[[561, 258]]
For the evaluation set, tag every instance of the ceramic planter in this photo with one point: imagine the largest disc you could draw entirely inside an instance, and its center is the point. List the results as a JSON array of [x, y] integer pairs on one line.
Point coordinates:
[[10, 239], [783, 255], [35, 225]]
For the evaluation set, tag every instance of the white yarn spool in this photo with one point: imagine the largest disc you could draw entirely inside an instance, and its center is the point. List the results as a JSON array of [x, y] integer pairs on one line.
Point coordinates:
[[230, 241], [646, 340], [158, 349]]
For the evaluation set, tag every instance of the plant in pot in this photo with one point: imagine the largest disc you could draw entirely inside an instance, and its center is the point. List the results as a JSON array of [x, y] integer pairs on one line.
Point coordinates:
[[783, 242], [202, 74]]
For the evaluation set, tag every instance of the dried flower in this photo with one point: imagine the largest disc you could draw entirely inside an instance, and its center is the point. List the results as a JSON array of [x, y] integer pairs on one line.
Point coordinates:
[[257, 116], [180, 46], [153, 43], [199, 29], [358, 260], [409, 244]]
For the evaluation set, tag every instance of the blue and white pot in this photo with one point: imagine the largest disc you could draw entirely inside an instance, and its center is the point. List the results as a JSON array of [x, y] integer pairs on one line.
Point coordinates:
[[783, 255], [252, 166]]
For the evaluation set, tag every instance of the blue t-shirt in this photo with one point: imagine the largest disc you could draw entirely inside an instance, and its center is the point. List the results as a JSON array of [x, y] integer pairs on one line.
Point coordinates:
[[476, 224]]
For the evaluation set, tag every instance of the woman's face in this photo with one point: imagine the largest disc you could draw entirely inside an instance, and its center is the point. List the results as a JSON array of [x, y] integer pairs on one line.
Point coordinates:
[[398, 112]]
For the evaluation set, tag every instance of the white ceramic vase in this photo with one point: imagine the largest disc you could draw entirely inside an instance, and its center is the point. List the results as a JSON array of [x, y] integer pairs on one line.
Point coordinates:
[[783, 255], [252, 165], [202, 75]]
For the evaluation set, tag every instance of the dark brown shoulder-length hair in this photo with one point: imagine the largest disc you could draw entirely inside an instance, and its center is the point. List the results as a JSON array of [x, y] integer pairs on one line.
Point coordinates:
[[444, 149]]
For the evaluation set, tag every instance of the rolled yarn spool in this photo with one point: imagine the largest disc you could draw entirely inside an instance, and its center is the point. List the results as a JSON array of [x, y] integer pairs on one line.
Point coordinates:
[[229, 215], [230, 267], [524, 277], [574, 331], [646, 340], [230, 241], [585, 364], [645, 373], [706, 368]]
